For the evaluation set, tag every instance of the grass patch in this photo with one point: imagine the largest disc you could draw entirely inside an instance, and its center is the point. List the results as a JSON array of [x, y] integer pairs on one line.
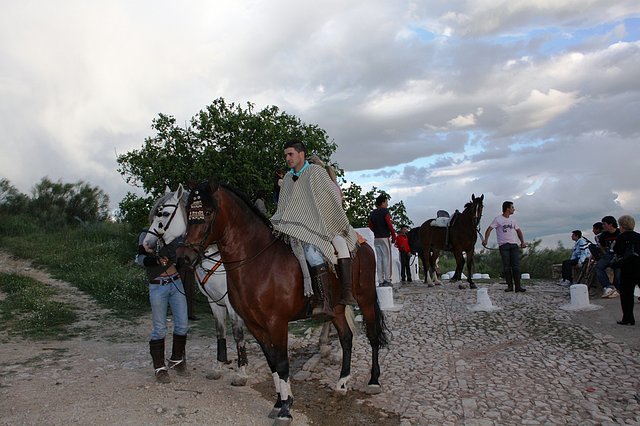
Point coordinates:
[[96, 258], [28, 310]]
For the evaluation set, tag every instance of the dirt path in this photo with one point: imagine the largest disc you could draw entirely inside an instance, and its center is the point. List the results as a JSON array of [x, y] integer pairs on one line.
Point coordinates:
[[104, 376]]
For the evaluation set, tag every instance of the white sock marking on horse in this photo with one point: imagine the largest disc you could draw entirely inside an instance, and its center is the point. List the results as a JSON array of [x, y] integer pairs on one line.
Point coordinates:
[[285, 390], [276, 382], [342, 383]]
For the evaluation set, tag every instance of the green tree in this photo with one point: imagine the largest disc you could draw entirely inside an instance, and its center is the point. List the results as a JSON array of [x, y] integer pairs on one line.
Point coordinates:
[[12, 201], [240, 146], [59, 202], [358, 206]]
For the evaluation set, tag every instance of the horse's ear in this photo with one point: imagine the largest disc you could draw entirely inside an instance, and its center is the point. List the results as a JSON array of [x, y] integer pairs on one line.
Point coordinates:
[[482, 197], [167, 189], [179, 191], [213, 184], [473, 197]]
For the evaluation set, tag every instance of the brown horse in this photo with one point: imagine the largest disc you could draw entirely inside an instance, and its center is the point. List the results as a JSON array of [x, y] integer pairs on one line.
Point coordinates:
[[460, 237], [265, 283]]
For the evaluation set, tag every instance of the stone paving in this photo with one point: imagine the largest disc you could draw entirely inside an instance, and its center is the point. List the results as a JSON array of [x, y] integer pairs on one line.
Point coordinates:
[[525, 363]]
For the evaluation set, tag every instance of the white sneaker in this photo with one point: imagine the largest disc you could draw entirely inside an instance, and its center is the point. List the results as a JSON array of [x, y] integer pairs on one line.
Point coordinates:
[[607, 292], [613, 294]]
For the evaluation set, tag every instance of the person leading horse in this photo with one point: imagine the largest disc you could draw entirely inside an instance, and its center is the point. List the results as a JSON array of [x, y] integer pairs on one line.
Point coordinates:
[[310, 213]]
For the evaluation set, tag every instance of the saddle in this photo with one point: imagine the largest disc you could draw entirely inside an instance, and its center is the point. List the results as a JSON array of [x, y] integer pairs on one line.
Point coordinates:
[[443, 220]]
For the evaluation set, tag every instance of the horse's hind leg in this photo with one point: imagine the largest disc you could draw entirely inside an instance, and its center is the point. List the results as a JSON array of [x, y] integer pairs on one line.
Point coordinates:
[[219, 313], [470, 265], [346, 341], [376, 333]]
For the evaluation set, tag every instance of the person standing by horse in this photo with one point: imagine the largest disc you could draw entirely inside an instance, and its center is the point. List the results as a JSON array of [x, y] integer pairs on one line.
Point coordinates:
[[382, 227], [310, 213], [508, 233], [402, 243], [165, 289]]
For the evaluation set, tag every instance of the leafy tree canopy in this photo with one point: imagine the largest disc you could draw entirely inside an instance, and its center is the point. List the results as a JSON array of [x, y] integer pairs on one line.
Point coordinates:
[[238, 145]]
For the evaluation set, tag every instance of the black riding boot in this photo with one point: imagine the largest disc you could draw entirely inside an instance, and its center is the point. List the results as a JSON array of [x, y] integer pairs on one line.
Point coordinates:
[[509, 278], [178, 360], [156, 349], [516, 280], [320, 281], [345, 277]]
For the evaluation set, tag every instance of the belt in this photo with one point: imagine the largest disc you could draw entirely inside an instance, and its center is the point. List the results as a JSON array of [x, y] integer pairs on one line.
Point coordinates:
[[165, 280]]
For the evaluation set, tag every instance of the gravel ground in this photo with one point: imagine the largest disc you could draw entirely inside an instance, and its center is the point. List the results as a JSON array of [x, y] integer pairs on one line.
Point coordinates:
[[526, 362]]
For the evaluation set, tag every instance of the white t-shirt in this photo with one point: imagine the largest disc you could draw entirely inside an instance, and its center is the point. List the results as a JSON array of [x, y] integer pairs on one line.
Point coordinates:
[[506, 230]]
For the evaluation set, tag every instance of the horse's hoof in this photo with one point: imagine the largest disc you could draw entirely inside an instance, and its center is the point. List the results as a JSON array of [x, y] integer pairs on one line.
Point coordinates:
[[429, 285], [239, 381], [472, 285], [325, 351], [274, 413], [462, 286], [373, 389], [283, 421], [214, 375]]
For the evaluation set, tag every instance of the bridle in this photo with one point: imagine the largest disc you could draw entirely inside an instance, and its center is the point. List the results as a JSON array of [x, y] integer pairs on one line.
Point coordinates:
[[168, 224]]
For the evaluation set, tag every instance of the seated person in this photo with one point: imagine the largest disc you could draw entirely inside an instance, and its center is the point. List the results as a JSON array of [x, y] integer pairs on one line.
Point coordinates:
[[607, 240], [578, 256]]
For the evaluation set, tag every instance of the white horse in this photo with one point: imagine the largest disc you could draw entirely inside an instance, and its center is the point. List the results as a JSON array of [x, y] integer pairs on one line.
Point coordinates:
[[212, 282], [168, 219]]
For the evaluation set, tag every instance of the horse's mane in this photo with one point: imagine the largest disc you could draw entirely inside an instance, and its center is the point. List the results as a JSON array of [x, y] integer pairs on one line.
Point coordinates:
[[247, 201], [163, 199]]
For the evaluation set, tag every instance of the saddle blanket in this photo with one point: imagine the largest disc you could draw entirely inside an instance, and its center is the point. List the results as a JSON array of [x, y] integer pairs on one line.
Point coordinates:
[[441, 222]]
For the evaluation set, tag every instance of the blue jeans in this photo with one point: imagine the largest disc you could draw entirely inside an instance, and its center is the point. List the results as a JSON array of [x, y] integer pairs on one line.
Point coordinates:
[[383, 258], [510, 254], [601, 271], [161, 297]]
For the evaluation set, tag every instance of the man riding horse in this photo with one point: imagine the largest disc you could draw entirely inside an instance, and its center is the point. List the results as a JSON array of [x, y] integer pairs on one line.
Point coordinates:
[[310, 213]]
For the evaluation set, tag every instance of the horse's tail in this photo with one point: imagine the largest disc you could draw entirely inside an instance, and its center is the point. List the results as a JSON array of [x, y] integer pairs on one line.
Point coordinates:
[[381, 336]]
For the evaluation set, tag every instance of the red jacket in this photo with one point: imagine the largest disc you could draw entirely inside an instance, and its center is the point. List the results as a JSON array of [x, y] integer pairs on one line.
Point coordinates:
[[402, 242]]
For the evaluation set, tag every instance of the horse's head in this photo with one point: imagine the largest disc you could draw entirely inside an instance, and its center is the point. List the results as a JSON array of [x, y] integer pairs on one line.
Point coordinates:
[[476, 204], [168, 218], [202, 208]]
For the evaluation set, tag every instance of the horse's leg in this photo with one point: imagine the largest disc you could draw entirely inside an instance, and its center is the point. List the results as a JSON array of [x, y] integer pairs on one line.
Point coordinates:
[[219, 313], [433, 259], [457, 276], [346, 341], [237, 325], [376, 333], [274, 346], [325, 348], [470, 264]]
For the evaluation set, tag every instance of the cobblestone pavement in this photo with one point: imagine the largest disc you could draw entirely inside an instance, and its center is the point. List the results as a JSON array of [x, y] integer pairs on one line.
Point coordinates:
[[528, 362]]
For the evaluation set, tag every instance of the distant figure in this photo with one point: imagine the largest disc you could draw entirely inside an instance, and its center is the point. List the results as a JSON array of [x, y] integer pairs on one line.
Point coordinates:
[[402, 243], [627, 251], [508, 233], [578, 256], [278, 175], [382, 227], [606, 240], [259, 203]]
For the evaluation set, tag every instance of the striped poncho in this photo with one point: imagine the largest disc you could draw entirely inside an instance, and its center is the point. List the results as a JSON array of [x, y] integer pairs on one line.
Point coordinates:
[[310, 210]]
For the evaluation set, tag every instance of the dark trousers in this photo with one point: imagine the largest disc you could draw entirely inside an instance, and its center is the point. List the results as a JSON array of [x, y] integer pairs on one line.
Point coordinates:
[[567, 269], [629, 278], [601, 271], [405, 268], [510, 254]]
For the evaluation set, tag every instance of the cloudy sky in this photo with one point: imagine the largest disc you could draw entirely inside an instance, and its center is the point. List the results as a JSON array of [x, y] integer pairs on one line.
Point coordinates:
[[535, 101]]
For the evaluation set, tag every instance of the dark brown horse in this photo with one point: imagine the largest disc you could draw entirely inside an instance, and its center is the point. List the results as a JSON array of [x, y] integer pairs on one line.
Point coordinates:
[[460, 237], [265, 283]]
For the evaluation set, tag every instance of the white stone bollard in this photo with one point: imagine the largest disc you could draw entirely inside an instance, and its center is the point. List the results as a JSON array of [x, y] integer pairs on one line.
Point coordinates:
[[385, 298], [579, 299], [525, 276], [484, 302]]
